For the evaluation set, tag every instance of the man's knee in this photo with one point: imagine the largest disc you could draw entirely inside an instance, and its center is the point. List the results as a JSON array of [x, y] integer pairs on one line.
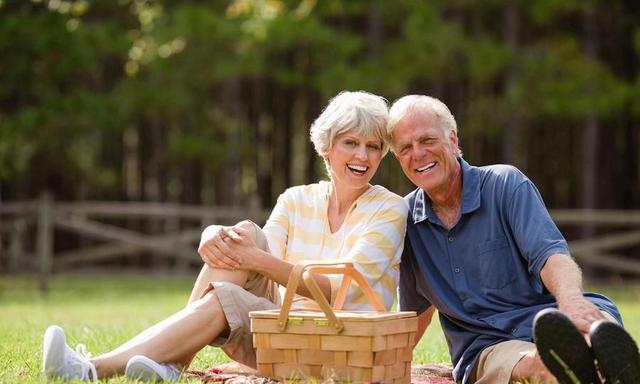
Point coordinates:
[[531, 367]]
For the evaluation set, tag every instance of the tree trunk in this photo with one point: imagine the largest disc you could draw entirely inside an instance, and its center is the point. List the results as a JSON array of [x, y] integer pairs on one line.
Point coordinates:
[[512, 129], [589, 164]]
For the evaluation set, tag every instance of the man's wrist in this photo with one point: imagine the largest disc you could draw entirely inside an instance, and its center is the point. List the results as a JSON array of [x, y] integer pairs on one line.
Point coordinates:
[[567, 296]]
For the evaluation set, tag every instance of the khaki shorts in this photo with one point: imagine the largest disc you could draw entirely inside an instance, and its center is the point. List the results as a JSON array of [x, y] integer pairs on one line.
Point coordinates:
[[496, 362], [258, 293]]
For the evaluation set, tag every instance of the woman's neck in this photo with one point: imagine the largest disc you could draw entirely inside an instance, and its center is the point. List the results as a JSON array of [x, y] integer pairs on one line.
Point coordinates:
[[340, 201]]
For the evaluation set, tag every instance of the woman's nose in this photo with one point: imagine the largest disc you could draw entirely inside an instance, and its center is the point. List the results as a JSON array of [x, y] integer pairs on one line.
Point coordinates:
[[361, 152]]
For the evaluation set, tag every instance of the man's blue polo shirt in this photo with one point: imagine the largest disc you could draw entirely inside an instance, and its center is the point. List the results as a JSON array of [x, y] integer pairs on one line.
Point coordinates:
[[483, 275]]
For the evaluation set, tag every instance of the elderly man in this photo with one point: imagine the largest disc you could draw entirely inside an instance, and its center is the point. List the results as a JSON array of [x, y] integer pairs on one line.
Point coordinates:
[[482, 249]]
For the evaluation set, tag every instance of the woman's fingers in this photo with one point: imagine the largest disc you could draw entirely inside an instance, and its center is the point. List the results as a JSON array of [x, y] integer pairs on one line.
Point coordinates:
[[235, 234], [217, 253]]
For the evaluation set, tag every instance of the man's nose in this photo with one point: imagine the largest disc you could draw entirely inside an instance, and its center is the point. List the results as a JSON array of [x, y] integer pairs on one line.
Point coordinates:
[[419, 150]]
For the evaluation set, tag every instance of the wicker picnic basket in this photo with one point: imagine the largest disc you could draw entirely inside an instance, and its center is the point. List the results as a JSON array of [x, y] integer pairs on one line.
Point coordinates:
[[333, 344]]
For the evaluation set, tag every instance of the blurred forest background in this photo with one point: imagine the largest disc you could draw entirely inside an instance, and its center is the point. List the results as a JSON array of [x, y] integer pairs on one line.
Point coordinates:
[[209, 102]]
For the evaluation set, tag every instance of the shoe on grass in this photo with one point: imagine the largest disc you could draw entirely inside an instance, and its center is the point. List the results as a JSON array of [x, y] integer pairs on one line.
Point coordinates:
[[616, 352], [563, 349], [60, 361], [143, 368]]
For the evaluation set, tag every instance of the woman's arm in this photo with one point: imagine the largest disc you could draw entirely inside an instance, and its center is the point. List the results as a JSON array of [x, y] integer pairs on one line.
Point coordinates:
[[241, 241]]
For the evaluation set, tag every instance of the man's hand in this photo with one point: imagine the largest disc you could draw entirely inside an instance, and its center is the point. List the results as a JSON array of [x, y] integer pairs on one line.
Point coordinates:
[[215, 251], [580, 311], [562, 277]]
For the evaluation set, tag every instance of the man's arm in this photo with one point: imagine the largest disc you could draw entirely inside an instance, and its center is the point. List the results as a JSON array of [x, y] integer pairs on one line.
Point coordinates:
[[563, 278], [424, 319]]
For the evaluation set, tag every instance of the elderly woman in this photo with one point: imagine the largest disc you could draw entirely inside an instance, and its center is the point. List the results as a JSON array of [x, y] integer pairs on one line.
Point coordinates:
[[345, 218]]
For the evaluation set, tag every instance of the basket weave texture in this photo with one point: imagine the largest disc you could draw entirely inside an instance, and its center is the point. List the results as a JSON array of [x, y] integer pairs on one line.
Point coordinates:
[[333, 344]]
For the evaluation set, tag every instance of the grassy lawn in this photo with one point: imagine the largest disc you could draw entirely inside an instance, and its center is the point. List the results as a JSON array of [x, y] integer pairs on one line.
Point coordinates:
[[103, 312]]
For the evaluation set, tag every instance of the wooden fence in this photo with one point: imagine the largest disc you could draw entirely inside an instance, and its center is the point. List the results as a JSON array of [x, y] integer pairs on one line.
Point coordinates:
[[171, 232], [166, 231]]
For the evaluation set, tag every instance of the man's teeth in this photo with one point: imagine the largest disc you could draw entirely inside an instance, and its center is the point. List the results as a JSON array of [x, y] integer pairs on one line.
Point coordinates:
[[428, 166], [358, 168]]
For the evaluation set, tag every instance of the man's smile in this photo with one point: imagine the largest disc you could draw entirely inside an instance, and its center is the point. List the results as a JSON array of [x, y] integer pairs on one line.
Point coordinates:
[[427, 167]]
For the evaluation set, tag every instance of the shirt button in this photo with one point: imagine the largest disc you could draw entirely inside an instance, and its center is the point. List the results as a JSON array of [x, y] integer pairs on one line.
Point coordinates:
[[450, 238], [457, 270]]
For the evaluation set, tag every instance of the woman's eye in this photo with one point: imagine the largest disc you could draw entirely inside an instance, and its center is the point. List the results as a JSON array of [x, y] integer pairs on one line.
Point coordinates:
[[350, 143], [374, 146]]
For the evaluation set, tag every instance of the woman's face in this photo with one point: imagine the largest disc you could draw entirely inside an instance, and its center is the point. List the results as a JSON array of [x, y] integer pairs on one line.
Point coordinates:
[[354, 159]]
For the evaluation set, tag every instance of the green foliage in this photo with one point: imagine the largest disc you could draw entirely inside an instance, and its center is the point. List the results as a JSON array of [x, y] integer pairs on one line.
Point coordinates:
[[559, 81], [200, 82]]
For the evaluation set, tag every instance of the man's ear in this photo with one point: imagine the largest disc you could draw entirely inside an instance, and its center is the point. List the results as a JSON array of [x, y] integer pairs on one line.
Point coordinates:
[[453, 136]]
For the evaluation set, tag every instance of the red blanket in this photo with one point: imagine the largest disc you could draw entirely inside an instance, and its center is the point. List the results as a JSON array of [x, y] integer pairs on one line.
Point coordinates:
[[233, 374]]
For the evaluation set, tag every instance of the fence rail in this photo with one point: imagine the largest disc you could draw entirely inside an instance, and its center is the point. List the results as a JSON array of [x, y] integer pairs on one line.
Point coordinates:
[[107, 231]]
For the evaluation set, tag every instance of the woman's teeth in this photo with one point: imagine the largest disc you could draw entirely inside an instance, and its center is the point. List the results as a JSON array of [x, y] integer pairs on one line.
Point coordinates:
[[359, 169]]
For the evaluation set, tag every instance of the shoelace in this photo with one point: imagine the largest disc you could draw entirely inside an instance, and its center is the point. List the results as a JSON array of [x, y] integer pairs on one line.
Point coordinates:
[[84, 364]]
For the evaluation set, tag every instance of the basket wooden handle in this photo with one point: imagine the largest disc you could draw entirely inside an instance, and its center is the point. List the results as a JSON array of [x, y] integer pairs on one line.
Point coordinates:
[[306, 269]]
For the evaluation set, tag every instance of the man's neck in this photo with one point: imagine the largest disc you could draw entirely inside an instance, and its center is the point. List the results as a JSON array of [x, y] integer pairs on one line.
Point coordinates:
[[450, 196], [447, 203]]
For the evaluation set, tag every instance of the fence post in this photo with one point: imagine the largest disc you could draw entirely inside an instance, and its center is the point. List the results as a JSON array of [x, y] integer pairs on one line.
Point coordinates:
[[45, 241], [16, 249]]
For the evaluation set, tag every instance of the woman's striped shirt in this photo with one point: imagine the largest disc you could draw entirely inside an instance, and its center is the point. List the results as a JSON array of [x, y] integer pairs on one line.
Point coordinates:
[[371, 236]]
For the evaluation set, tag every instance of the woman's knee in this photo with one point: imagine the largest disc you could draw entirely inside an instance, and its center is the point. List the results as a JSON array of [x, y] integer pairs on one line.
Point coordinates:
[[209, 275], [256, 233], [208, 303]]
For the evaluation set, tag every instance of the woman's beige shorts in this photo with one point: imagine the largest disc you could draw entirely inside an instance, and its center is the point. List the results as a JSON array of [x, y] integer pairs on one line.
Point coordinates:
[[236, 303]]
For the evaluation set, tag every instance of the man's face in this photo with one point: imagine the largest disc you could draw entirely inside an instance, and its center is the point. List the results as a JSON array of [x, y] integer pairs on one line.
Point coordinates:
[[427, 155]]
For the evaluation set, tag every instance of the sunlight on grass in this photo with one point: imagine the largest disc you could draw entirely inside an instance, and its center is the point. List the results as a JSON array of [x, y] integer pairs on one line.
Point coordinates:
[[101, 312]]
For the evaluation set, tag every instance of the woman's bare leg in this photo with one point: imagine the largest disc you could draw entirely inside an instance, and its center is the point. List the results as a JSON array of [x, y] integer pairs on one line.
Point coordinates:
[[208, 275], [172, 340]]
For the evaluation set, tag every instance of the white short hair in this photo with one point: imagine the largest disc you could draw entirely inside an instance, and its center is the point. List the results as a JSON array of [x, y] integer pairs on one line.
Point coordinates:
[[362, 112], [422, 104]]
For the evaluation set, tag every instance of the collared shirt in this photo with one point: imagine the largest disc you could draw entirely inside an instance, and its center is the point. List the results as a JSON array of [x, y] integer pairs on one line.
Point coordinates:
[[483, 275]]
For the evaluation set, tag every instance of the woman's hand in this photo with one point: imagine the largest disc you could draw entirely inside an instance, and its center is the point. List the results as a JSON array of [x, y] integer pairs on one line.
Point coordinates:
[[215, 251], [241, 242]]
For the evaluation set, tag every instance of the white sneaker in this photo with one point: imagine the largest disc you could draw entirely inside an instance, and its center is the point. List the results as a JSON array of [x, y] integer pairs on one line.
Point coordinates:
[[143, 368], [58, 360]]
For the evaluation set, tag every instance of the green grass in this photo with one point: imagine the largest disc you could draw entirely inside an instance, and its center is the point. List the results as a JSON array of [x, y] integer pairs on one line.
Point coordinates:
[[101, 312], [105, 311]]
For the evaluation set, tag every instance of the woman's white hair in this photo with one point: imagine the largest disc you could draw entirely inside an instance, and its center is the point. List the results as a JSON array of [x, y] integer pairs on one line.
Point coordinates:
[[422, 104], [362, 112]]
